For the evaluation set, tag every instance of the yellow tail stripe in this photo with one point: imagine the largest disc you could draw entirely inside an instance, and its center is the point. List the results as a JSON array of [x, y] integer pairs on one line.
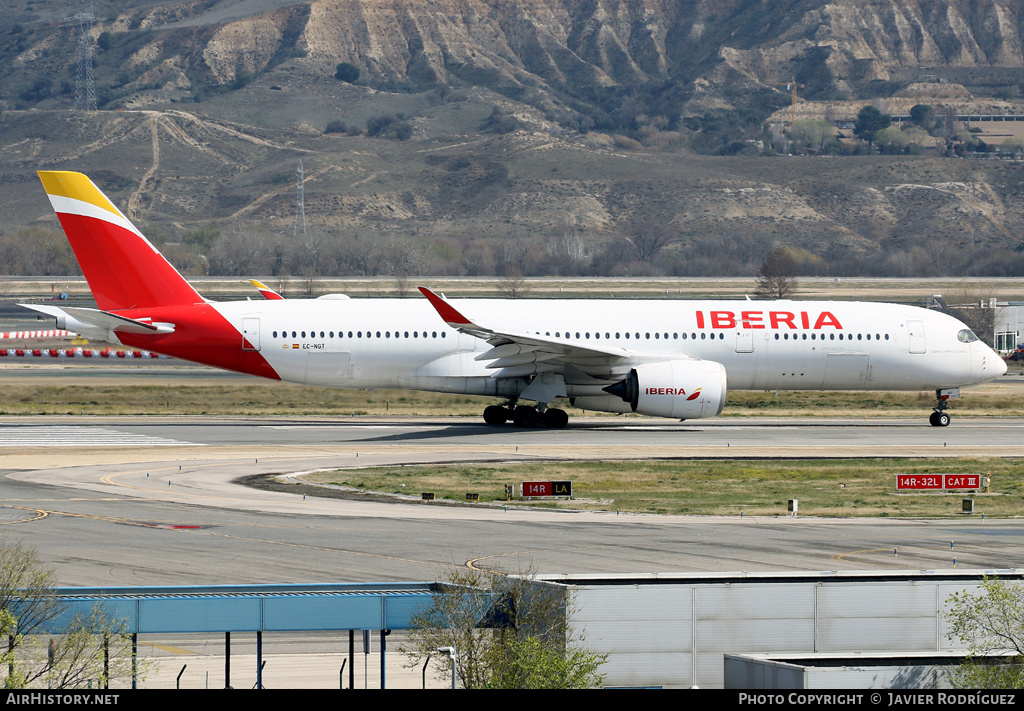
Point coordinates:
[[64, 183]]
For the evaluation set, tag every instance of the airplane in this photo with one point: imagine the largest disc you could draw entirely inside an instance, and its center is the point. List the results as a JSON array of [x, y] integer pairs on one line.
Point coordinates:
[[667, 358]]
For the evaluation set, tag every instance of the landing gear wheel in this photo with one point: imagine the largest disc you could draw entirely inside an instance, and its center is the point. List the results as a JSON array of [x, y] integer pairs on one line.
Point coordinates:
[[496, 415], [525, 416], [939, 419], [555, 419]]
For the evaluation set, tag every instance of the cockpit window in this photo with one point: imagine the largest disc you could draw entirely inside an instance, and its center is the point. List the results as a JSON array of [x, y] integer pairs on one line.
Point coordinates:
[[966, 336]]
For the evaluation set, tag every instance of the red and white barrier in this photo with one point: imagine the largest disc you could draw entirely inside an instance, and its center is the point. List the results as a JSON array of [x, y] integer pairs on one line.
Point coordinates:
[[75, 353], [37, 334]]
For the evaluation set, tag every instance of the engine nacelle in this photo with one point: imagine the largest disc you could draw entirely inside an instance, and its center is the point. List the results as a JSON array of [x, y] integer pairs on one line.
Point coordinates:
[[685, 389]]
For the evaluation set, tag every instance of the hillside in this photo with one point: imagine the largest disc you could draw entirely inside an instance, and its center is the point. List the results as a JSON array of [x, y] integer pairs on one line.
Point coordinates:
[[553, 137]]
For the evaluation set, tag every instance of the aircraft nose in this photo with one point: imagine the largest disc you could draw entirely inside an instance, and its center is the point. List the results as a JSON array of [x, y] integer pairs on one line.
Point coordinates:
[[987, 363], [1000, 364]]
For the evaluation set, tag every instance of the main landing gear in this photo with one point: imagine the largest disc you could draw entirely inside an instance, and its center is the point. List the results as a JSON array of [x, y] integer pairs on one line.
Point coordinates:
[[940, 418], [526, 415]]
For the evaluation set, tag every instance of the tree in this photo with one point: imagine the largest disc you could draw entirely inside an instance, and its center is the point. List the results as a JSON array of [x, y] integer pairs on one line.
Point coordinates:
[[508, 633], [892, 140], [923, 116], [513, 284], [869, 122], [1013, 146], [336, 126], [649, 235], [969, 302], [72, 656], [776, 277], [346, 72], [816, 135], [989, 622]]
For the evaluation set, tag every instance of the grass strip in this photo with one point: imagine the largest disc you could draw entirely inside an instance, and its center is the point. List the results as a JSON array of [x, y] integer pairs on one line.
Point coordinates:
[[838, 488]]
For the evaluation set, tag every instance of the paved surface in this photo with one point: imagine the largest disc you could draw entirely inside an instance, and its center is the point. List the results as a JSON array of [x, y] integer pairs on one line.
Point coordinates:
[[135, 501]]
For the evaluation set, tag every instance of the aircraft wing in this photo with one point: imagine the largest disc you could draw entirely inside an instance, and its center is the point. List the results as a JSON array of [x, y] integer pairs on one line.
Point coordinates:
[[515, 354]]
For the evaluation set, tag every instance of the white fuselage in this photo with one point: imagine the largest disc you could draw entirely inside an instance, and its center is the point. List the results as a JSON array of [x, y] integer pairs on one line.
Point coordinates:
[[792, 345]]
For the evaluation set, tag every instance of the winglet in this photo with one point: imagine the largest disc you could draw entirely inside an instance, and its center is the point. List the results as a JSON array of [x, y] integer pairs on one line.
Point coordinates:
[[268, 293], [446, 311]]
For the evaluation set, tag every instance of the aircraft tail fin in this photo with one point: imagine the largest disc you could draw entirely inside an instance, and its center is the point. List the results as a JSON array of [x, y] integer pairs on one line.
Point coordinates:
[[123, 268]]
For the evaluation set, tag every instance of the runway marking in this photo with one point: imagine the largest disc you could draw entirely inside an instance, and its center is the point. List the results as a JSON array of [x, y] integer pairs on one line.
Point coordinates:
[[74, 436], [349, 425], [43, 513], [39, 514], [167, 648]]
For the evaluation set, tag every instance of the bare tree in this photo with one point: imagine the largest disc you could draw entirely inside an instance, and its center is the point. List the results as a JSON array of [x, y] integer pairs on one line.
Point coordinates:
[[649, 235], [402, 285], [971, 302], [776, 278], [513, 285]]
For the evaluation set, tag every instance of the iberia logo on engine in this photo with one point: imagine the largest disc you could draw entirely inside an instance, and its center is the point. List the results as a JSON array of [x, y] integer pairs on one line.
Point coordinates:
[[674, 392]]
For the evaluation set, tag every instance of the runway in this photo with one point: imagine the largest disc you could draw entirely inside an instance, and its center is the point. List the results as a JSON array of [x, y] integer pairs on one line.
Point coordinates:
[[154, 501]]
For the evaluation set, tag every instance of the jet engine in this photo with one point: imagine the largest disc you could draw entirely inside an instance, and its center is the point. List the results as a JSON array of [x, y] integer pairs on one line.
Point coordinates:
[[685, 389]]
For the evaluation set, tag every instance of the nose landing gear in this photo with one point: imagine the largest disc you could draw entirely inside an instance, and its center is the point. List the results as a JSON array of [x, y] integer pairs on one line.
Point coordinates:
[[939, 417]]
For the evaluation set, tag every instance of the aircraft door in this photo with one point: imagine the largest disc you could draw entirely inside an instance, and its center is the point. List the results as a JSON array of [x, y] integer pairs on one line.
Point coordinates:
[[915, 329], [329, 368], [250, 334], [745, 341], [846, 370]]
